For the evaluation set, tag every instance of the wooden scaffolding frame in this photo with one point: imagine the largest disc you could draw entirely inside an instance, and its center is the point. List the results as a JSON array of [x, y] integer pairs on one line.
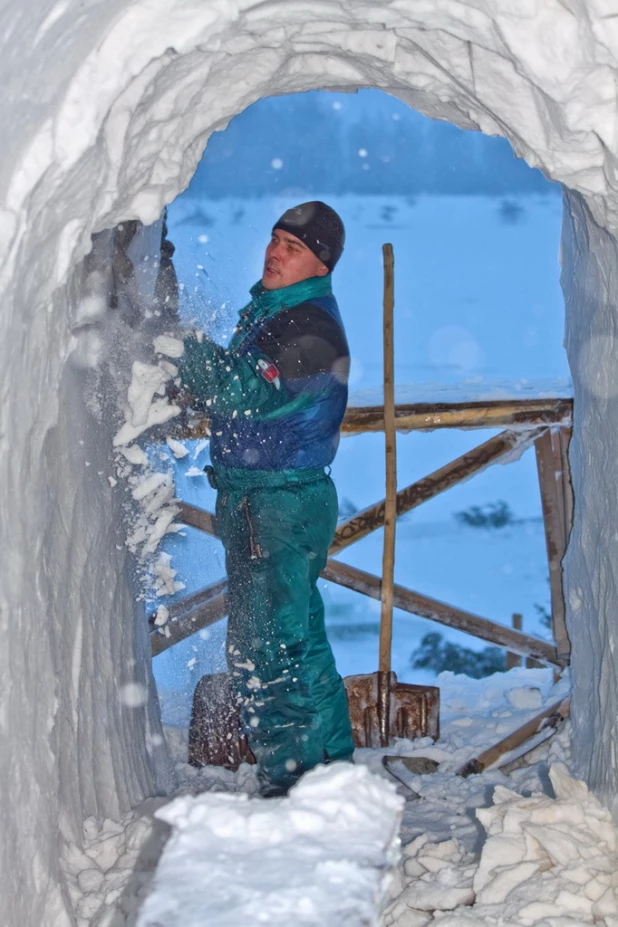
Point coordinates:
[[546, 423]]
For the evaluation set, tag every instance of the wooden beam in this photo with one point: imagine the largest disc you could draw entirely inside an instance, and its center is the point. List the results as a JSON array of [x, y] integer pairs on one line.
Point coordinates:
[[477, 414], [427, 416], [555, 499], [198, 518], [490, 452], [198, 611], [448, 615]]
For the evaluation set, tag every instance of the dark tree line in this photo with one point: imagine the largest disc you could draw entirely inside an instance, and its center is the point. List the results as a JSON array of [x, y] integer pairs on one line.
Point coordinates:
[[300, 142]]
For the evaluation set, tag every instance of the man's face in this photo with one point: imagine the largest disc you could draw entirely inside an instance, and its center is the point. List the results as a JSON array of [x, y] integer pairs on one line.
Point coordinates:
[[288, 260]]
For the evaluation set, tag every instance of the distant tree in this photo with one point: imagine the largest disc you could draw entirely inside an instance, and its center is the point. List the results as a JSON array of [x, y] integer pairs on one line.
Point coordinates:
[[439, 655], [492, 515]]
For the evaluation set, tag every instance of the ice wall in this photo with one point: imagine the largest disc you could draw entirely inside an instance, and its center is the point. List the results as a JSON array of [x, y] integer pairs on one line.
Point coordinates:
[[106, 108], [590, 283]]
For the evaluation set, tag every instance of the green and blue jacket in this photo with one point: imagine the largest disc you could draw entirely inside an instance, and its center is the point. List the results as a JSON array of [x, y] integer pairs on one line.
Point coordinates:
[[276, 395]]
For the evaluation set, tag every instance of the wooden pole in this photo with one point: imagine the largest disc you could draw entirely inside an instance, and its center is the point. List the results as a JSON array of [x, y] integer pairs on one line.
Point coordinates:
[[514, 659], [390, 504], [551, 461]]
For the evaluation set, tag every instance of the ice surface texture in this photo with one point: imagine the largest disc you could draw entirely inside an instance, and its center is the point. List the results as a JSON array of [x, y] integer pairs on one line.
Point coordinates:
[[106, 110]]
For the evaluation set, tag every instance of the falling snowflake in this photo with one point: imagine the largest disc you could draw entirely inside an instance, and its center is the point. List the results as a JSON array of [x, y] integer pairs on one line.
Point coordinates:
[[277, 163], [362, 152]]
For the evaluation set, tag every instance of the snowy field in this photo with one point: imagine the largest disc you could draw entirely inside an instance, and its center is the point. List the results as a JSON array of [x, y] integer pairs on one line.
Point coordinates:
[[479, 313], [525, 847]]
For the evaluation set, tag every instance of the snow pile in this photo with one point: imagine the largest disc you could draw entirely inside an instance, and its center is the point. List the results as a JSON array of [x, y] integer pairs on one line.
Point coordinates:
[[321, 856], [546, 861], [109, 876]]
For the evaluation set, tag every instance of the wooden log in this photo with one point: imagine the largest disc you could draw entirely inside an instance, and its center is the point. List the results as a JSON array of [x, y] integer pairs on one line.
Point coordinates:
[[551, 716], [475, 414], [448, 615], [550, 465], [198, 611], [473, 461], [198, 518]]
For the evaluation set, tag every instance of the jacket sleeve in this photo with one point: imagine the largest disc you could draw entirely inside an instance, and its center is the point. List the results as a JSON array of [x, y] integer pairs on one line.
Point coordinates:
[[230, 384], [295, 344]]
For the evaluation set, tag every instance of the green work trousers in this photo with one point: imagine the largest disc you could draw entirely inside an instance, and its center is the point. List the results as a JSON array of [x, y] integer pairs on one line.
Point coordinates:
[[292, 701]]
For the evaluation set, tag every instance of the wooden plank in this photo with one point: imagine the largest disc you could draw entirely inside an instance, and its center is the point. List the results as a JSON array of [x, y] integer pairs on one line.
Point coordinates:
[[477, 414], [475, 460], [553, 499], [448, 615], [199, 611], [197, 518]]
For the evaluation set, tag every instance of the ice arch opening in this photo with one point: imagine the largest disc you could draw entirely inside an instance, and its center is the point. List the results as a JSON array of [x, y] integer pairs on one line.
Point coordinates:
[[107, 110]]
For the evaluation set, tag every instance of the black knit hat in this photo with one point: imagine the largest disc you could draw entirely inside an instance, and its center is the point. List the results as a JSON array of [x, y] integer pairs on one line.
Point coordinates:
[[319, 227]]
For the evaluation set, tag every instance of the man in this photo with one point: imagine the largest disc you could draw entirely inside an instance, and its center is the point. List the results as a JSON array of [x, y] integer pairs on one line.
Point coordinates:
[[276, 397]]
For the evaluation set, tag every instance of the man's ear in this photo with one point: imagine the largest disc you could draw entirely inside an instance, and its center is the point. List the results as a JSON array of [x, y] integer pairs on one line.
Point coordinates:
[[322, 270]]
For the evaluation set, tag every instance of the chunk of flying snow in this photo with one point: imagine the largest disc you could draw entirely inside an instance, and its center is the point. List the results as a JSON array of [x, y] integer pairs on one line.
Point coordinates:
[[135, 455], [195, 471], [161, 616], [201, 445], [148, 484], [146, 380], [160, 411], [177, 448], [170, 347]]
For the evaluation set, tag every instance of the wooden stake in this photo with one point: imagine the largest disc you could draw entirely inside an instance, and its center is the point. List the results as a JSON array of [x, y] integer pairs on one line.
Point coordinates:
[[551, 461], [514, 659], [390, 505]]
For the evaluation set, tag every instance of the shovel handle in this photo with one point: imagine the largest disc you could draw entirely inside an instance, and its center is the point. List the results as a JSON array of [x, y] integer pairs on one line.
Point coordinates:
[[390, 436]]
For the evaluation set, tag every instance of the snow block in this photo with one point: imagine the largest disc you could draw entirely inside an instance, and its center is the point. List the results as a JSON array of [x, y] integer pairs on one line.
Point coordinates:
[[321, 856]]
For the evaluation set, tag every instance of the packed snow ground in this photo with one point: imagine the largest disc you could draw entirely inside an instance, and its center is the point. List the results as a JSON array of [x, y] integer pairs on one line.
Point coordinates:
[[529, 848]]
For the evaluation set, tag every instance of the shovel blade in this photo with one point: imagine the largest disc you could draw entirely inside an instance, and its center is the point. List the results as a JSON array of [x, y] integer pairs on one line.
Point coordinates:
[[414, 710]]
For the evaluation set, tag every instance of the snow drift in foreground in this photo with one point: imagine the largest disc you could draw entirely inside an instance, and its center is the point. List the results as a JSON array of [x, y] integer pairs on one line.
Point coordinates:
[[548, 862], [319, 856]]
